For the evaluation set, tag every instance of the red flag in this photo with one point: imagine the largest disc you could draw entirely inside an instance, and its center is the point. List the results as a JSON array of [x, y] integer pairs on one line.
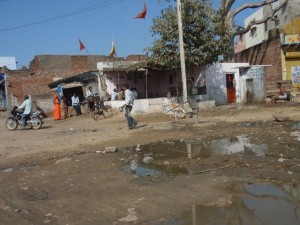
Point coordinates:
[[142, 15], [81, 45]]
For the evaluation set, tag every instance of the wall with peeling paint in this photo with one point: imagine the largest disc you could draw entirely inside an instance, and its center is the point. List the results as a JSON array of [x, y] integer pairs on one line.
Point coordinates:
[[216, 81]]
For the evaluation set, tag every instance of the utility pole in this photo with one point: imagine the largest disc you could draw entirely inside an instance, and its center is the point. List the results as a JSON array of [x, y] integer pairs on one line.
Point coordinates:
[[181, 49]]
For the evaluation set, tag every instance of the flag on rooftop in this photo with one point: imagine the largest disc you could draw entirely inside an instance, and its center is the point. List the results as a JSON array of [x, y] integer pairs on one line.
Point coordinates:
[[142, 15], [113, 50], [81, 45]]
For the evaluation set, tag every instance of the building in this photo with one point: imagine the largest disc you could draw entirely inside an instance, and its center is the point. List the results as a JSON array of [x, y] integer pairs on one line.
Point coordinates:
[[290, 54], [8, 62], [235, 83], [256, 35], [279, 46], [44, 70], [5, 63]]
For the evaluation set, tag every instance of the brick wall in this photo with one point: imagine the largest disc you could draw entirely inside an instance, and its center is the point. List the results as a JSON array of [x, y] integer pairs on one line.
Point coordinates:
[[136, 58], [266, 53], [43, 69]]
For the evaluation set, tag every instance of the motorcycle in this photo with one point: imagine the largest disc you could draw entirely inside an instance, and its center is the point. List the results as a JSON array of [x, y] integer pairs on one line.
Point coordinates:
[[34, 120]]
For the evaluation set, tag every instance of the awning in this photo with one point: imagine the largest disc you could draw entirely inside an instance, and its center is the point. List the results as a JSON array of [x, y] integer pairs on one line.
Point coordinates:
[[69, 85], [83, 79]]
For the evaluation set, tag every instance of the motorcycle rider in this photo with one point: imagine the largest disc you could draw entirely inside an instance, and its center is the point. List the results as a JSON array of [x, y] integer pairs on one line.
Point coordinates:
[[26, 105]]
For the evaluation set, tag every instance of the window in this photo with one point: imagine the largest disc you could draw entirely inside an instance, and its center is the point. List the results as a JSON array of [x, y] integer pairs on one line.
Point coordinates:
[[253, 32], [276, 20]]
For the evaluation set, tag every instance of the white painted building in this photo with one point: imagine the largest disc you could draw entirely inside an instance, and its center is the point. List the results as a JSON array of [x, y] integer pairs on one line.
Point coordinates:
[[256, 35], [9, 62], [235, 83]]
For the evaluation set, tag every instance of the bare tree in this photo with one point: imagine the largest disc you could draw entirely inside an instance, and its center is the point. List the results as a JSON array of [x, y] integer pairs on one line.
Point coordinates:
[[229, 14]]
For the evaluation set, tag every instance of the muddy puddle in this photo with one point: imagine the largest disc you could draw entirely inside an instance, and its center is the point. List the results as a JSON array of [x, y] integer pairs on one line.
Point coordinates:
[[252, 204], [153, 159]]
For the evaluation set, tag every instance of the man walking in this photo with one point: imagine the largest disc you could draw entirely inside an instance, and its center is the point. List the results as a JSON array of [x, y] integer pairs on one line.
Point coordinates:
[[129, 100], [26, 105]]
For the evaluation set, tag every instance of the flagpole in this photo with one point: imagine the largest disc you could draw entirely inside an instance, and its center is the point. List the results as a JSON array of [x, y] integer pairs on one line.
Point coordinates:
[[87, 51], [145, 35]]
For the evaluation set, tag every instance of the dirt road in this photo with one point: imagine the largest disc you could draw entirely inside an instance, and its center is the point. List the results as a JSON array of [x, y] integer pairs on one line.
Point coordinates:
[[61, 173]]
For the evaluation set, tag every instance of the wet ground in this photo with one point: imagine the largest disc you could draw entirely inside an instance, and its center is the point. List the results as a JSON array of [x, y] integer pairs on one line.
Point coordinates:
[[215, 172], [257, 203]]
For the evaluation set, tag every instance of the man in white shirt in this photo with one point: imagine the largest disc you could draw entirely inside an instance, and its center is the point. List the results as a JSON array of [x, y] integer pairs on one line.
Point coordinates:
[[75, 104], [89, 96], [129, 100], [26, 105], [90, 92], [114, 95]]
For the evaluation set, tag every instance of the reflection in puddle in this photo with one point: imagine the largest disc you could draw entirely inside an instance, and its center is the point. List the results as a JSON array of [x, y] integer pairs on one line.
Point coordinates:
[[240, 145], [170, 150], [258, 204], [138, 167], [204, 148]]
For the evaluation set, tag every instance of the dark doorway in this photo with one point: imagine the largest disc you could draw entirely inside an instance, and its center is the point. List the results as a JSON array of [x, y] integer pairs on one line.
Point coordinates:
[[68, 93], [230, 84], [249, 91]]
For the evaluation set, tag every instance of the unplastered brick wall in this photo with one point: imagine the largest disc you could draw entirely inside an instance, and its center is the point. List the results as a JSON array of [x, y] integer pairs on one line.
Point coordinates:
[[46, 105], [44, 69], [266, 53]]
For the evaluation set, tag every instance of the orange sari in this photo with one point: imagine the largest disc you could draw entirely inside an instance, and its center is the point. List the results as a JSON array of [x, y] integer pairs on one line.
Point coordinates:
[[56, 112]]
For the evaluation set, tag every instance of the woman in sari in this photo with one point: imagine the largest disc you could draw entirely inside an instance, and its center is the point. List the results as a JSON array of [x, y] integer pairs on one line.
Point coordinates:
[[63, 107], [56, 112]]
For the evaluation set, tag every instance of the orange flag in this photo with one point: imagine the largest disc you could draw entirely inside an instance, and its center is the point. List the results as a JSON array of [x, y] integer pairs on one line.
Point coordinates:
[[142, 15], [81, 45]]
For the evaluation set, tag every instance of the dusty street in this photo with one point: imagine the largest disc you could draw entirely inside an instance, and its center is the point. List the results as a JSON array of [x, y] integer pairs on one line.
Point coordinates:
[[212, 172]]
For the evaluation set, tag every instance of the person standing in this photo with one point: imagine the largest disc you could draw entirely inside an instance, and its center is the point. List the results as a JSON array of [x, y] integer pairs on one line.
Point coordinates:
[[27, 106], [129, 100], [75, 104], [90, 94], [114, 95], [63, 105], [121, 95], [56, 111]]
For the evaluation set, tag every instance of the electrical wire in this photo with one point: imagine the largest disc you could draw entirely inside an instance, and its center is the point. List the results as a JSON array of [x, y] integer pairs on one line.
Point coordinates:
[[73, 13]]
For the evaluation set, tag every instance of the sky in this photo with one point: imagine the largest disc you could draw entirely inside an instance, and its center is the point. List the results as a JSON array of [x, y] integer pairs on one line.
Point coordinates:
[[53, 27]]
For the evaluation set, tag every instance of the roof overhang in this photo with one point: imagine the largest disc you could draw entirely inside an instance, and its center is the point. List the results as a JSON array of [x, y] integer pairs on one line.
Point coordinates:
[[82, 79], [69, 85], [121, 66], [249, 66]]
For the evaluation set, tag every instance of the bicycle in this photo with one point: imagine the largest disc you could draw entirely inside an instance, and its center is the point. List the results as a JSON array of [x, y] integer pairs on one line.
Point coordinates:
[[99, 109]]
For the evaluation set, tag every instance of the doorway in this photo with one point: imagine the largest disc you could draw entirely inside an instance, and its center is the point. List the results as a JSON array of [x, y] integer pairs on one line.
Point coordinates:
[[250, 90], [231, 92], [68, 93]]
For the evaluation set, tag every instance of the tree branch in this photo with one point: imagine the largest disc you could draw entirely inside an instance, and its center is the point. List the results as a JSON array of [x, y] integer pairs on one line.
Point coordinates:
[[250, 6], [228, 5], [254, 22]]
